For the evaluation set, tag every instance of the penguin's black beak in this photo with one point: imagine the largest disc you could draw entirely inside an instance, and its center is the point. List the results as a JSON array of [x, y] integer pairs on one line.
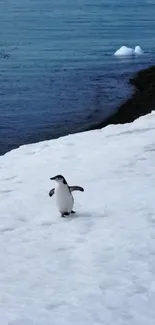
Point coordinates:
[[52, 178]]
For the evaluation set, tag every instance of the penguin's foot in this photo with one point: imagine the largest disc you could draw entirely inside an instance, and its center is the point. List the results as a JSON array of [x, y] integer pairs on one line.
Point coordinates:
[[63, 215]]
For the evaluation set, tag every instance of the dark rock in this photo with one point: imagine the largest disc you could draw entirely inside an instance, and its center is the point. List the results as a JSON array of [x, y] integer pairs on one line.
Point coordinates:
[[141, 103]]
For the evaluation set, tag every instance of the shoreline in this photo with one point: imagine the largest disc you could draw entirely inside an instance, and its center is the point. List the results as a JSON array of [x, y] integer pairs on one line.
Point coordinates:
[[141, 102]]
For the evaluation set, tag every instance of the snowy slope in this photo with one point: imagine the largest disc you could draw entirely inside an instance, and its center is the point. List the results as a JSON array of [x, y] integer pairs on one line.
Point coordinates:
[[98, 266]]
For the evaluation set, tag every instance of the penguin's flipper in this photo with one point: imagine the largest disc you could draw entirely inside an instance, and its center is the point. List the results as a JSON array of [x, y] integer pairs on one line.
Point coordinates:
[[51, 192], [76, 188]]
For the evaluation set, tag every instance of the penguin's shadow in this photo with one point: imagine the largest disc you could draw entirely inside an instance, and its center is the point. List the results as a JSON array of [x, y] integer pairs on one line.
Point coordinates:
[[71, 217], [84, 215]]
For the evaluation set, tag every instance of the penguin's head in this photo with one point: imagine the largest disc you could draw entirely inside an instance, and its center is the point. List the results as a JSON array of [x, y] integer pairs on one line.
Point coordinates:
[[59, 179]]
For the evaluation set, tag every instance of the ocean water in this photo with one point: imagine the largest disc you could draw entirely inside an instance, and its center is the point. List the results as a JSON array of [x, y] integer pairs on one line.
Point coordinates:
[[58, 74]]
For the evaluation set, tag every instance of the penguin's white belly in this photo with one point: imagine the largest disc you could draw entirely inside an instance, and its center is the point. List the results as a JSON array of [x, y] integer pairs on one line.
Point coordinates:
[[64, 199]]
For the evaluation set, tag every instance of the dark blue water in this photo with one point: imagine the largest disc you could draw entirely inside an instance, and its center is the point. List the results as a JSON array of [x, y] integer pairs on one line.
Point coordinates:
[[57, 70]]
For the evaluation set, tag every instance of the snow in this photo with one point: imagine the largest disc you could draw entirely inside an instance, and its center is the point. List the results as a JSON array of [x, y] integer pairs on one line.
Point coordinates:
[[93, 268], [127, 51]]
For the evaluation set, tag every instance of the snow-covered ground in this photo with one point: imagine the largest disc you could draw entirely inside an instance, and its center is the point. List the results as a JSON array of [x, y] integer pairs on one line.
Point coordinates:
[[96, 267]]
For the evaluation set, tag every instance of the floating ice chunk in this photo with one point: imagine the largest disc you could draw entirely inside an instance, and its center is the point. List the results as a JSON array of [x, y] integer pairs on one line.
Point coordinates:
[[138, 50], [124, 51], [128, 51]]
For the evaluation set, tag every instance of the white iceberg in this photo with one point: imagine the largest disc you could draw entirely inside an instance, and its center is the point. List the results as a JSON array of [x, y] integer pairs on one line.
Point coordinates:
[[128, 51], [94, 267], [124, 51], [138, 50]]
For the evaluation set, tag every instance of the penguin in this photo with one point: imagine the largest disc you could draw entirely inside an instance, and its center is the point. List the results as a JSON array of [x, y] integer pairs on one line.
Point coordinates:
[[64, 197]]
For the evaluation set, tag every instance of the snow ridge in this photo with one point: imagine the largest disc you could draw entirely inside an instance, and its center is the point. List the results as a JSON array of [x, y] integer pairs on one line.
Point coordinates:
[[95, 267]]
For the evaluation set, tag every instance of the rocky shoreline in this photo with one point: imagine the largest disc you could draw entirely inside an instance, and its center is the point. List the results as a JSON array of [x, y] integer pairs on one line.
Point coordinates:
[[141, 103]]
